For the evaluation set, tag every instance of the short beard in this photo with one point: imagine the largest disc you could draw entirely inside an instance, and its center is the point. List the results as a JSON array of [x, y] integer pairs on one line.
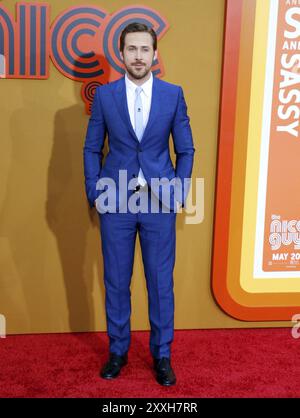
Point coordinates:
[[138, 76]]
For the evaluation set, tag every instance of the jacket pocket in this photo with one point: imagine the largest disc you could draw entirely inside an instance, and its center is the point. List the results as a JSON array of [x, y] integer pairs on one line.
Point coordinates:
[[110, 172], [168, 173]]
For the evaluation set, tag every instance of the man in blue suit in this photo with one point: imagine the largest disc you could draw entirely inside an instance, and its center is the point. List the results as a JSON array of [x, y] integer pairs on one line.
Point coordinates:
[[138, 112]]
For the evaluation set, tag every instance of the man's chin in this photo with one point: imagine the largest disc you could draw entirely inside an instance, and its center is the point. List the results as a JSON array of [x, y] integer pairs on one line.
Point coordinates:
[[137, 75]]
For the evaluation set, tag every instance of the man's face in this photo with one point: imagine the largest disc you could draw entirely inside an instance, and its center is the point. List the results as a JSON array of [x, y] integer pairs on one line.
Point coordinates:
[[138, 54]]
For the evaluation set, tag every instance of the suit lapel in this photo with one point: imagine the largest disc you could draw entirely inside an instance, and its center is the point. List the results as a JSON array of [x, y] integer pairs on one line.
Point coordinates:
[[121, 102]]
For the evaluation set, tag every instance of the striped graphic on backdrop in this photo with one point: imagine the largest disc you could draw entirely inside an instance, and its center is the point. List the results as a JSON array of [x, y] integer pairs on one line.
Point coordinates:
[[256, 255]]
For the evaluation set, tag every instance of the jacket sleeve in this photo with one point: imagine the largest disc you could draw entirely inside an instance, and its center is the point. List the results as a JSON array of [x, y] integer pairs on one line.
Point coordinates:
[[183, 146], [93, 149]]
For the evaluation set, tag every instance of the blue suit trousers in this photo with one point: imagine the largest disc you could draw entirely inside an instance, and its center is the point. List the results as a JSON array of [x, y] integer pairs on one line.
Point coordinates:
[[157, 235]]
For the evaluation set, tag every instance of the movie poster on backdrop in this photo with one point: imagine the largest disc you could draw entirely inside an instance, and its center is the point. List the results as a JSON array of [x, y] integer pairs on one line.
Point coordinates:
[[279, 202]]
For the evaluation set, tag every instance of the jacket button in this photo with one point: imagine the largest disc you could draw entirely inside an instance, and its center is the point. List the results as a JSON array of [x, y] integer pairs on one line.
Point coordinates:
[[133, 175]]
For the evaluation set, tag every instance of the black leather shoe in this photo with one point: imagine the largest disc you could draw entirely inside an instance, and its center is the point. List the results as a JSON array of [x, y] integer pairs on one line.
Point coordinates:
[[114, 365], [164, 373]]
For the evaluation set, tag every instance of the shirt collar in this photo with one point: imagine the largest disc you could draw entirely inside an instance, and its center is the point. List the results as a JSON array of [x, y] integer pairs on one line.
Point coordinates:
[[146, 87]]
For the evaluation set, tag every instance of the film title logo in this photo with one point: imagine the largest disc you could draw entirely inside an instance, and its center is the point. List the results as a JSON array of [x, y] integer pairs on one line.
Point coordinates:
[[284, 232], [82, 43]]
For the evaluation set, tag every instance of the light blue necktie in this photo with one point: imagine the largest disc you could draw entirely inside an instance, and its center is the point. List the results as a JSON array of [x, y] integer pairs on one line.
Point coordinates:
[[139, 126], [138, 113]]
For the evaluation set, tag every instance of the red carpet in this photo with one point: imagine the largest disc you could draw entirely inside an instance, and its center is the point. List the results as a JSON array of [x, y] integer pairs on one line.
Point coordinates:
[[208, 363]]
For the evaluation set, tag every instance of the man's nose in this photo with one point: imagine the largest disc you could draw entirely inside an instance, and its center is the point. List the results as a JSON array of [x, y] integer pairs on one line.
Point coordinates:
[[138, 54]]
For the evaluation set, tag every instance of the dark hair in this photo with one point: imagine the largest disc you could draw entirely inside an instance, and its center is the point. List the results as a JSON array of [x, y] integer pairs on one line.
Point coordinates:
[[137, 27]]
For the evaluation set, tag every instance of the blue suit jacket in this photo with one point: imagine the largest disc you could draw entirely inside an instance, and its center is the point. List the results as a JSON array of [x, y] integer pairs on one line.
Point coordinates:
[[168, 115]]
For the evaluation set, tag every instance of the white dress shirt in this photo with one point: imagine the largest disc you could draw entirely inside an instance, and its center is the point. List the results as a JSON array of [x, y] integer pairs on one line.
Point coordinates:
[[146, 96]]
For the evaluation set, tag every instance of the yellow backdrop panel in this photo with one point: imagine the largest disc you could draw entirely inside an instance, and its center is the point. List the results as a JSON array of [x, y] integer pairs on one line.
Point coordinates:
[[50, 248]]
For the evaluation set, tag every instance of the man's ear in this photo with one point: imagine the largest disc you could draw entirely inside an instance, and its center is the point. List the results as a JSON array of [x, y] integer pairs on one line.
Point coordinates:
[[122, 57], [155, 55]]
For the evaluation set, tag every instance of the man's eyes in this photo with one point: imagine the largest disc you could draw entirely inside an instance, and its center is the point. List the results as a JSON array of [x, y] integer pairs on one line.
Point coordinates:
[[143, 49]]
